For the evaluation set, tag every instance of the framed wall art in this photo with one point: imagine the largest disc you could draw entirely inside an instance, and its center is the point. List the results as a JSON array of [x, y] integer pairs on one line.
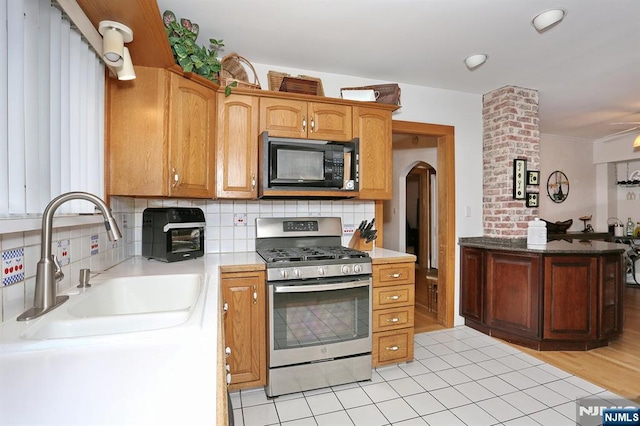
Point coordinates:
[[533, 177], [519, 178], [533, 199]]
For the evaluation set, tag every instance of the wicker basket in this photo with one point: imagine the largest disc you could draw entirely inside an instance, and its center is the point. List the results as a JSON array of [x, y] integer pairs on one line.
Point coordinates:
[[233, 70], [300, 84]]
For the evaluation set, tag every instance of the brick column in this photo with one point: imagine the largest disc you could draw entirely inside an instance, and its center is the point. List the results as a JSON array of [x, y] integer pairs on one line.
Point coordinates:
[[510, 130]]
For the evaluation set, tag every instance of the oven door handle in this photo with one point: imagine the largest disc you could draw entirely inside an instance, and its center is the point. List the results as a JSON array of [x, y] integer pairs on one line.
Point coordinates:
[[320, 287]]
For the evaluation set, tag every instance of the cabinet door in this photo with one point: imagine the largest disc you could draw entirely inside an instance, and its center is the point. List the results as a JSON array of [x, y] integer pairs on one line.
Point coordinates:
[[244, 327], [136, 144], [513, 293], [570, 297], [329, 122], [192, 109], [373, 127], [610, 297], [472, 284], [283, 117], [237, 147]]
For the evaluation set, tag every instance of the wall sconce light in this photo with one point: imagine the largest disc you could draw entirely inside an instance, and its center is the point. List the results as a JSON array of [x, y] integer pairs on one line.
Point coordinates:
[[114, 54], [474, 61], [547, 19], [636, 142], [126, 72]]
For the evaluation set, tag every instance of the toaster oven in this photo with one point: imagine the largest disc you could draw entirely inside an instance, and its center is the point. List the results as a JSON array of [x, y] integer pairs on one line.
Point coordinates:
[[172, 234]]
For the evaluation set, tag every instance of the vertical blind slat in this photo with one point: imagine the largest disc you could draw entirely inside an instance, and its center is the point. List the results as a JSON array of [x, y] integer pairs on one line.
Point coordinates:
[[15, 111], [4, 144], [55, 63], [51, 110]]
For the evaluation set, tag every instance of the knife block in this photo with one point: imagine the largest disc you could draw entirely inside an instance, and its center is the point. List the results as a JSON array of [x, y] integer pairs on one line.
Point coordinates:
[[359, 243]]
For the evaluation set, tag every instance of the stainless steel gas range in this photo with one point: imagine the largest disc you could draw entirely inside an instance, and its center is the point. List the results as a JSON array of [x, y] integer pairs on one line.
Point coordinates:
[[319, 304]]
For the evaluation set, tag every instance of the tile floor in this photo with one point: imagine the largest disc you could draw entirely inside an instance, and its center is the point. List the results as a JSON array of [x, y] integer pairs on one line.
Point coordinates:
[[459, 377]]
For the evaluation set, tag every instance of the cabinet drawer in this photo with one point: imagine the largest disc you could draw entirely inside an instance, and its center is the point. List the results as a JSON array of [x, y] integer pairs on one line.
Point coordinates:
[[394, 318], [388, 297], [392, 346], [399, 273]]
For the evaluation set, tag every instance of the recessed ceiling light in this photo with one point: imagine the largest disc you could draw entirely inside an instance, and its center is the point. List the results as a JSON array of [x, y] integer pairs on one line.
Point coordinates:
[[547, 19], [474, 61]]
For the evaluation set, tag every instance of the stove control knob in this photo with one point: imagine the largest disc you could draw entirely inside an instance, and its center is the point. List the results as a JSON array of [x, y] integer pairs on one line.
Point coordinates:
[[322, 270], [284, 273], [357, 269], [297, 273], [345, 269]]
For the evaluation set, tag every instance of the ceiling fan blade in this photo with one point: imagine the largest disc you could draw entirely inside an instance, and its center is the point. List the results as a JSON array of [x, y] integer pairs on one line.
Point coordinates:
[[612, 136]]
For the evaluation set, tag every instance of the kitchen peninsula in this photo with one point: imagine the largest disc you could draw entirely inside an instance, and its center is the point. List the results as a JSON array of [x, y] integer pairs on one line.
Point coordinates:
[[567, 296]]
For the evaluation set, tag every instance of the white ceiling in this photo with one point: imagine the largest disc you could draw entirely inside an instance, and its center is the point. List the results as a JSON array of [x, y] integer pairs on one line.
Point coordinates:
[[586, 69]]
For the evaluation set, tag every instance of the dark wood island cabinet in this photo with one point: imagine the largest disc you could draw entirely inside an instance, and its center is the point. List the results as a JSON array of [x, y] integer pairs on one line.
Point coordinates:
[[567, 296]]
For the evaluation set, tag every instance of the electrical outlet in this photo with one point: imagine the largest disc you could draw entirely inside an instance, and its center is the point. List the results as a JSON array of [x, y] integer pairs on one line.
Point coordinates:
[[239, 219]]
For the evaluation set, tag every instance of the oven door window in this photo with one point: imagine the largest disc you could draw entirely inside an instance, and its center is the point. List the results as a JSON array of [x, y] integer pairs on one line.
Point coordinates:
[[185, 240], [319, 317]]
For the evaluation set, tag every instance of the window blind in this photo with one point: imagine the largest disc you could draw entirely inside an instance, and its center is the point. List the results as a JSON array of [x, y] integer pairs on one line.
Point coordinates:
[[51, 110]]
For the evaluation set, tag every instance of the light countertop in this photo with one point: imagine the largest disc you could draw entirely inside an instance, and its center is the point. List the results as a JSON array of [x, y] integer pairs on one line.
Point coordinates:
[[143, 378], [165, 376]]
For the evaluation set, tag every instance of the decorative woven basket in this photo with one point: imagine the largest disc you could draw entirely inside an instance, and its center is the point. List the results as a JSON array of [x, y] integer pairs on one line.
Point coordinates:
[[300, 84], [233, 70]]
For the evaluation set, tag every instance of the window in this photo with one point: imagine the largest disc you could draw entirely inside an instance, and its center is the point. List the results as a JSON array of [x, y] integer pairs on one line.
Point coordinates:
[[51, 110]]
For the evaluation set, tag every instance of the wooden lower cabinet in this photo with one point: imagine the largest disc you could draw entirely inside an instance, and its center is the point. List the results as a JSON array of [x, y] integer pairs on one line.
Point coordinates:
[[244, 304], [393, 312], [513, 293], [546, 301]]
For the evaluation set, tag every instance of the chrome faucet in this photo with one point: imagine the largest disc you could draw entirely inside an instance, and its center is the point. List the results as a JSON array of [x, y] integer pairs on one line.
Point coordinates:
[[49, 271]]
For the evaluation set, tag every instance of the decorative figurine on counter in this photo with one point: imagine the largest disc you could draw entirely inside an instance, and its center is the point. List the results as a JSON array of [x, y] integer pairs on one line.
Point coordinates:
[[587, 226]]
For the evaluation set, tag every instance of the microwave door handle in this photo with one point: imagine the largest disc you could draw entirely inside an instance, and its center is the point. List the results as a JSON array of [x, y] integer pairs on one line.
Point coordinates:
[[321, 287]]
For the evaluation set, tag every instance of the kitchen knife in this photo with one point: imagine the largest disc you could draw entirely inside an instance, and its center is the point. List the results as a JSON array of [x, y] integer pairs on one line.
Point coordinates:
[[362, 225], [371, 236], [370, 225]]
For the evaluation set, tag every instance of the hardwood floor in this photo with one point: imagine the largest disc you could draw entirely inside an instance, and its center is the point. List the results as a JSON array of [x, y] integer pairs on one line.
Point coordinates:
[[615, 367], [425, 317]]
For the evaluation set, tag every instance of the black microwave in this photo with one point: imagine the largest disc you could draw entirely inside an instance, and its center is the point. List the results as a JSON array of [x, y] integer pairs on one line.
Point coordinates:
[[302, 164], [172, 234]]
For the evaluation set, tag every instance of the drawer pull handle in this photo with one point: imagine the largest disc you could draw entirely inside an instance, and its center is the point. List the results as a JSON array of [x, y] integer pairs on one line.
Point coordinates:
[[393, 320], [304, 123], [396, 275], [228, 368], [227, 352], [225, 307], [394, 297], [392, 348]]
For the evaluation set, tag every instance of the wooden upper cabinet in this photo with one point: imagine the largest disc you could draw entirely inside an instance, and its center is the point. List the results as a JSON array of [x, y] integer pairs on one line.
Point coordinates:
[[192, 109], [160, 130], [373, 127], [291, 118], [237, 147]]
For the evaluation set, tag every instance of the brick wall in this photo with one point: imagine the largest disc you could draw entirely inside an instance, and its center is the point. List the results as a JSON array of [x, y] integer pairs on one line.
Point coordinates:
[[510, 130]]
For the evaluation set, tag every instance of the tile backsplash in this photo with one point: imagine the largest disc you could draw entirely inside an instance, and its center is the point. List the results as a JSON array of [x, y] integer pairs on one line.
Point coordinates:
[[230, 228]]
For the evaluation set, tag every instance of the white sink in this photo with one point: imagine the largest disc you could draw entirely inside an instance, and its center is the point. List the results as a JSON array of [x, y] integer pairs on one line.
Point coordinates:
[[122, 305]]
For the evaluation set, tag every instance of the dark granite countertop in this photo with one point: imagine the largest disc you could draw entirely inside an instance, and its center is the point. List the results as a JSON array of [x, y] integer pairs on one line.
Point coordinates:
[[558, 247]]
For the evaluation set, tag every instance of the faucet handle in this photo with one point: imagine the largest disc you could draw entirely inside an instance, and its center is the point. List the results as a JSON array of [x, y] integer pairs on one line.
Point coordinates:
[[58, 275]]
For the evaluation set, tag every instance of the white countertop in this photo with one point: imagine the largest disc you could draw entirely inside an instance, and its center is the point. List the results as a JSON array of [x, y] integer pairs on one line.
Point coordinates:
[[155, 377]]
